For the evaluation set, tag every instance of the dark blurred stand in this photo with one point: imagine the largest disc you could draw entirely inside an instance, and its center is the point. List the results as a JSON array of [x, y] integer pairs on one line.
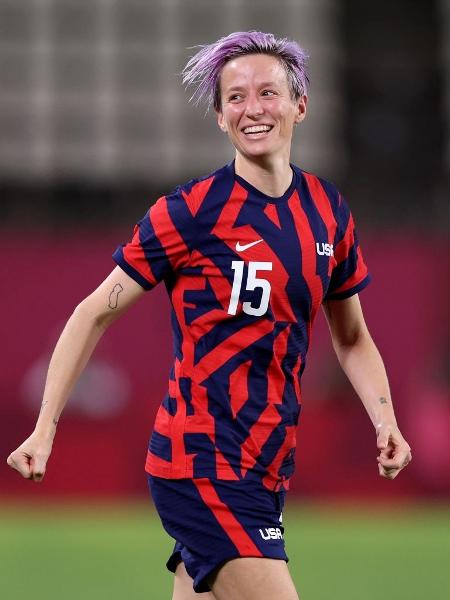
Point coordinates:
[[395, 121]]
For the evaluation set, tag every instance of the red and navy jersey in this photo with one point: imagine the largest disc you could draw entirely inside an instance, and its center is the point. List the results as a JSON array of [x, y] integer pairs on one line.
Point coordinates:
[[246, 274]]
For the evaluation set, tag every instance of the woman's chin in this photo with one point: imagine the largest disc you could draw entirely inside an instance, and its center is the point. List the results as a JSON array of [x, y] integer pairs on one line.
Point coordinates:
[[256, 151]]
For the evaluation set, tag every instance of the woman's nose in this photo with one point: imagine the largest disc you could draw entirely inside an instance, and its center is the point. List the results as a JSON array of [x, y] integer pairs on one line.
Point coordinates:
[[254, 106]]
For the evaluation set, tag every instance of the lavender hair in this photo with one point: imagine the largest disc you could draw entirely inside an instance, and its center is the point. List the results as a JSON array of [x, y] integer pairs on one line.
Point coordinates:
[[203, 69]]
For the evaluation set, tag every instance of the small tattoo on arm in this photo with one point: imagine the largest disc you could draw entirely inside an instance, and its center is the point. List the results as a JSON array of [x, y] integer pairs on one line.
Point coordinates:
[[114, 296], [383, 400], [55, 420]]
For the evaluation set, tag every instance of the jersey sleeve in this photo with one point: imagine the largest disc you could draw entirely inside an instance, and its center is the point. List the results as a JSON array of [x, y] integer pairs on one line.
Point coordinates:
[[350, 274], [162, 242]]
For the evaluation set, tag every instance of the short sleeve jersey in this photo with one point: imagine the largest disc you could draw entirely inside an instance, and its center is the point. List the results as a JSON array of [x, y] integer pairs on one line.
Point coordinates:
[[245, 274]]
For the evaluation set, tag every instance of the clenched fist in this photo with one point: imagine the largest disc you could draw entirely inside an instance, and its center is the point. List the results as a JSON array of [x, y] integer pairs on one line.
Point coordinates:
[[30, 458], [395, 452]]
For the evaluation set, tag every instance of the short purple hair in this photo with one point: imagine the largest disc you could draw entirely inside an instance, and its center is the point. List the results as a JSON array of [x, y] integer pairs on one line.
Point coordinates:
[[204, 68]]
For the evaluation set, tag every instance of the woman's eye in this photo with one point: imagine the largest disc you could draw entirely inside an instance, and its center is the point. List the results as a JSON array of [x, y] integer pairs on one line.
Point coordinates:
[[235, 97], [268, 93]]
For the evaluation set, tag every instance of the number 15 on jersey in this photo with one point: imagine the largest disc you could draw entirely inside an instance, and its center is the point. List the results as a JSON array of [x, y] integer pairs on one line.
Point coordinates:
[[253, 283]]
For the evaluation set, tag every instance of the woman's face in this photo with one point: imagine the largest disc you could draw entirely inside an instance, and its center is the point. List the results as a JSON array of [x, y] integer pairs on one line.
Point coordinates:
[[257, 110]]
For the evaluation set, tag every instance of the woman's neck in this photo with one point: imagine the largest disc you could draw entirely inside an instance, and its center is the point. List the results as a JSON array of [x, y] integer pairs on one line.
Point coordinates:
[[270, 177]]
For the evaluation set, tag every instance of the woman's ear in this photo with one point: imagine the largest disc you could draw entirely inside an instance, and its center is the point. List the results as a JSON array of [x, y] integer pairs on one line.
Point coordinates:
[[221, 122], [301, 109]]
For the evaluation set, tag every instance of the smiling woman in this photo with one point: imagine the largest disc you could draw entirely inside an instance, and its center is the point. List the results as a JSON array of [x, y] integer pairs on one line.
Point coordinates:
[[248, 254], [258, 110], [258, 87]]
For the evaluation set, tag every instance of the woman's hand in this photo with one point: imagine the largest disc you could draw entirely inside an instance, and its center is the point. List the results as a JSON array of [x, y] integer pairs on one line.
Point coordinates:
[[395, 452], [30, 458]]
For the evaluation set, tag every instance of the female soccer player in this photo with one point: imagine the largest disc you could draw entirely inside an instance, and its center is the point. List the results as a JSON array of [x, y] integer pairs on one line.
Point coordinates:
[[248, 254]]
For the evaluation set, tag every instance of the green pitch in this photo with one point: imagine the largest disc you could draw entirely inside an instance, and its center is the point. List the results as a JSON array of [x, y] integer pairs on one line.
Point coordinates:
[[104, 552]]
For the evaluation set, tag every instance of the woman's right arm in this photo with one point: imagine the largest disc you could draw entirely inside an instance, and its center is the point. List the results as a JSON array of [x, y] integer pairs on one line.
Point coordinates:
[[83, 330]]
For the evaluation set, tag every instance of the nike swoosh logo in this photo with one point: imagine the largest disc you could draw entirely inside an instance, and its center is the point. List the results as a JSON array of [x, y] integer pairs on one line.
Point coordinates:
[[240, 247]]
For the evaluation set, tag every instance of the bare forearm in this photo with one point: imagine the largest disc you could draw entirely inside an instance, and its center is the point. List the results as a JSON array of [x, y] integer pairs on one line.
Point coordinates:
[[113, 297], [364, 367], [362, 363], [75, 345]]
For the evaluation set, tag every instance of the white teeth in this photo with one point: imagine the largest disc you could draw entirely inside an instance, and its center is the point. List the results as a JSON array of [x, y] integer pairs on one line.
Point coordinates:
[[257, 129]]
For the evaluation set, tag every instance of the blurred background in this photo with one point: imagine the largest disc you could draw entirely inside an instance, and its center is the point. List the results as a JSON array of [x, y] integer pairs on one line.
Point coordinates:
[[94, 127]]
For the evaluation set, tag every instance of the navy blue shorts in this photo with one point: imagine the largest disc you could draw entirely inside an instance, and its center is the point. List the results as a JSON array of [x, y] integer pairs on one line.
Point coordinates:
[[214, 520]]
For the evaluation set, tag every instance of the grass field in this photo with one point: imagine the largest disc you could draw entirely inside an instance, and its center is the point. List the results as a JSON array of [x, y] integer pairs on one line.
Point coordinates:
[[118, 552]]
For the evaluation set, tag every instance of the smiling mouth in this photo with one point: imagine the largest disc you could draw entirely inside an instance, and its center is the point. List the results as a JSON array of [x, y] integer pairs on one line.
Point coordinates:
[[257, 129]]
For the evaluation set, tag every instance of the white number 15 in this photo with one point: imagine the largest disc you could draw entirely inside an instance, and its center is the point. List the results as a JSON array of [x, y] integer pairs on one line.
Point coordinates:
[[253, 283]]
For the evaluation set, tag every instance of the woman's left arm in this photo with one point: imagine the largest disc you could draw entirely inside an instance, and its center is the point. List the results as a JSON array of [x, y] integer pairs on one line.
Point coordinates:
[[363, 365]]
